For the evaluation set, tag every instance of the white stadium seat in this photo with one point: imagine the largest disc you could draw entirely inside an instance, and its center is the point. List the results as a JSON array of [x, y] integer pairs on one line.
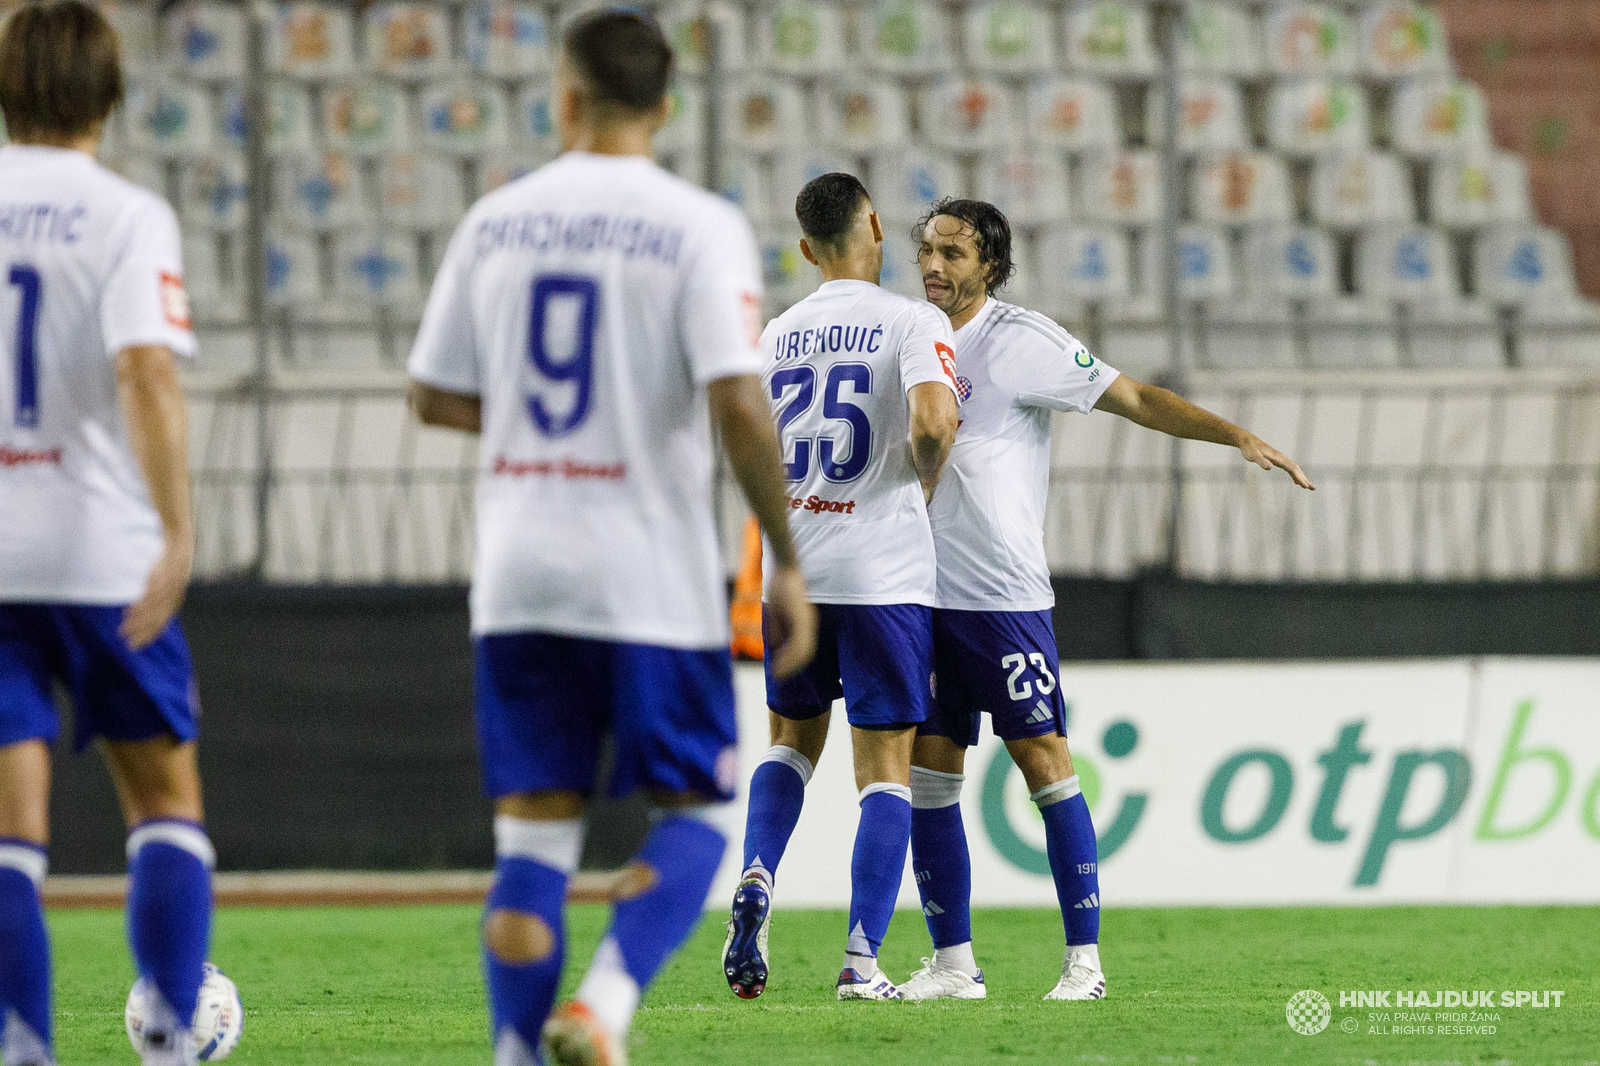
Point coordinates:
[[135, 25], [684, 131], [215, 284], [1110, 37], [311, 40], [860, 114], [169, 118], [1205, 265], [507, 39], [785, 274], [793, 167], [293, 273], [744, 183], [1311, 115], [1080, 264], [1122, 187], [762, 114], [207, 40], [366, 118], [900, 271], [965, 114], [1009, 37], [1519, 264], [1288, 262], [1439, 116], [140, 169], [1309, 39], [1028, 186], [289, 121], [1358, 188], [1219, 38], [423, 192], [1075, 113], [905, 181], [1405, 264], [377, 269], [502, 168], [533, 124], [906, 37], [319, 191], [214, 190], [801, 37], [1402, 38], [1474, 189], [685, 24], [1211, 116], [1242, 187], [409, 41], [464, 117]]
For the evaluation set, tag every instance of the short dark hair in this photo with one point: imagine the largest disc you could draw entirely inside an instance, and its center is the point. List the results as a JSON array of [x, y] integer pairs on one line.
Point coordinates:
[[990, 230], [622, 56], [59, 70], [828, 205]]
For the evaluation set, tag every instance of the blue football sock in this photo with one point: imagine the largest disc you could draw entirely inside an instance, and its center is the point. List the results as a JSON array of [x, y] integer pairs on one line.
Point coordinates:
[[877, 864], [169, 907], [1070, 843], [534, 860], [684, 849], [777, 792], [24, 944], [939, 857]]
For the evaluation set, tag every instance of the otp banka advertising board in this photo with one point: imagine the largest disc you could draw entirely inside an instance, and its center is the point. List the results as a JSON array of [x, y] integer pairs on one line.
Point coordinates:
[[1299, 783]]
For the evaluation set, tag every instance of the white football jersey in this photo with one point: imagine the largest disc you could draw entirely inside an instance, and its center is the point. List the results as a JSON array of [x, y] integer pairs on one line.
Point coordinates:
[[1013, 367], [89, 265], [838, 366], [588, 305]]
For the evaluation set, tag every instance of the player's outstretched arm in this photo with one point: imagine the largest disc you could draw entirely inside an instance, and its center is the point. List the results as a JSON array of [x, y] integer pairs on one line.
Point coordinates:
[[744, 419], [151, 397], [1166, 412], [934, 417], [434, 406]]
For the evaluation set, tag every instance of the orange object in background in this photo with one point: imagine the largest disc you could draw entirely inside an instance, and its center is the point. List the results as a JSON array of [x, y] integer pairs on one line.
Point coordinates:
[[745, 613]]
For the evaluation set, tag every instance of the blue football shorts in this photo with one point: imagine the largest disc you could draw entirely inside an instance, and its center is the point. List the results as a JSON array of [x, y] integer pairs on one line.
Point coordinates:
[[117, 693], [999, 663], [879, 657], [546, 702]]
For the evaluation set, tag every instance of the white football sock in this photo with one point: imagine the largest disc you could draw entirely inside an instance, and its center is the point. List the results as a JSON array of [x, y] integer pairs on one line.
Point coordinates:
[[609, 990], [512, 1050], [957, 957], [21, 1044], [177, 1049], [1088, 954], [865, 965]]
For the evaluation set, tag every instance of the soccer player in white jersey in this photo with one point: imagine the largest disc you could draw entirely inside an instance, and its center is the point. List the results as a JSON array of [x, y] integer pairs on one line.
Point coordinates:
[[862, 383], [592, 320], [96, 534], [994, 644]]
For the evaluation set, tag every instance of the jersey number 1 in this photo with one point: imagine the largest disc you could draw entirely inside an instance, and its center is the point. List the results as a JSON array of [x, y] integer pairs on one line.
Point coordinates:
[[27, 281], [576, 368]]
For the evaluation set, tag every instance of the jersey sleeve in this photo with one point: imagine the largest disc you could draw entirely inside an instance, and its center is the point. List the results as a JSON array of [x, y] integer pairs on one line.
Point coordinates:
[[928, 353], [144, 300], [1053, 369], [719, 318], [445, 353]]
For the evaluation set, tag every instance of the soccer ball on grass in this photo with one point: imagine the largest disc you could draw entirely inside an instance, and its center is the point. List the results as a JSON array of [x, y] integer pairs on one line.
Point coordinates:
[[218, 1015]]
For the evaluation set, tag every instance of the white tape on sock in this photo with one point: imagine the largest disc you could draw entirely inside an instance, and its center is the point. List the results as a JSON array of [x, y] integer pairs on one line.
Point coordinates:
[[186, 835], [1056, 792], [790, 757], [903, 791], [723, 817], [28, 860], [934, 788], [556, 844]]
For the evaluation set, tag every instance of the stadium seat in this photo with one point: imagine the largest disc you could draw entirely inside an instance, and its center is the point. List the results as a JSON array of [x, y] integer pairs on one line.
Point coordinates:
[[366, 118], [318, 191], [965, 114], [506, 39], [1438, 116], [905, 181], [139, 169], [135, 25], [502, 168], [1205, 265], [1412, 268], [1288, 262], [169, 118], [409, 41], [793, 167], [215, 287], [1481, 188], [293, 271], [1122, 187], [1401, 38], [686, 113], [1083, 264], [763, 114], [310, 40], [906, 37], [1520, 264], [1311, 115], [900, 271], [744, 183], [423, 192], [1075, 113], [206, 41], [1345, 333], [1211, 116], [464, 117], [289, 119], [786, 276], [801, 37], [860, 114], [1313, 40], [1219, 38], [379, 270], [1030, 186], [533, 125], [214, 191], [1110, 37], [1234, 188], [686, 27], [1009, 37], [1350, 189]]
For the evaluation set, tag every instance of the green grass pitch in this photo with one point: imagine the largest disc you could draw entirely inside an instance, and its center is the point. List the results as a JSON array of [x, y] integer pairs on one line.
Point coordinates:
[[400, 987]]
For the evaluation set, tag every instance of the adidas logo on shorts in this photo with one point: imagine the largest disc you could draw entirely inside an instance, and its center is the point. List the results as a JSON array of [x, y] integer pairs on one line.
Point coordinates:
[[1041, 713]]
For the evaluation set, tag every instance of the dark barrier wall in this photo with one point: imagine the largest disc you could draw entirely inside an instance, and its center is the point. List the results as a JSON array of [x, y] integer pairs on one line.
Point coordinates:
[[338, 722]]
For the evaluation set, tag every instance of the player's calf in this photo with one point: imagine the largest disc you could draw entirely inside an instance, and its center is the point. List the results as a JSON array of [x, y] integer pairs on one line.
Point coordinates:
[[24, 957]]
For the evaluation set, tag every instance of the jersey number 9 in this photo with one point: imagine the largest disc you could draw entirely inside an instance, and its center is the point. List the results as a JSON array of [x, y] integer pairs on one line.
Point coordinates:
[[566, 305], [834, 406]]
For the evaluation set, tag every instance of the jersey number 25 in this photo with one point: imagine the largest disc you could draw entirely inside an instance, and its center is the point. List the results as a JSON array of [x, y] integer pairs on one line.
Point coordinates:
[[834, 406]]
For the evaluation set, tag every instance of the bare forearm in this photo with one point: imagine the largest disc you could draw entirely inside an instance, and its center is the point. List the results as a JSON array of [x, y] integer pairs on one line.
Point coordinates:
[[751, 441], [1166, 412], [446, 410], [151, 397], [928, 455]]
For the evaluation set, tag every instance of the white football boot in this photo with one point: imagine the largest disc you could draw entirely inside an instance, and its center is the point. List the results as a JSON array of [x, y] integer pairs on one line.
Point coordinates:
[[574, 1036], [163, 1041], [20, 1044], [873, 986], [744, 953], [934, 981], [1081, 978]]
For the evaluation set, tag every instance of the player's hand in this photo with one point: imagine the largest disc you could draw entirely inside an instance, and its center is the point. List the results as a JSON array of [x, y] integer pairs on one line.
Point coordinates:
[[147, 619], [1266, 457], [791, 623]]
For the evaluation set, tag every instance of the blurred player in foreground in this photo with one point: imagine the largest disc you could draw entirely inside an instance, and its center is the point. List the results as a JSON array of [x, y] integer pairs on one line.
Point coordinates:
[[586, 320], [862, 382], [994, 644], [96, 532]]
